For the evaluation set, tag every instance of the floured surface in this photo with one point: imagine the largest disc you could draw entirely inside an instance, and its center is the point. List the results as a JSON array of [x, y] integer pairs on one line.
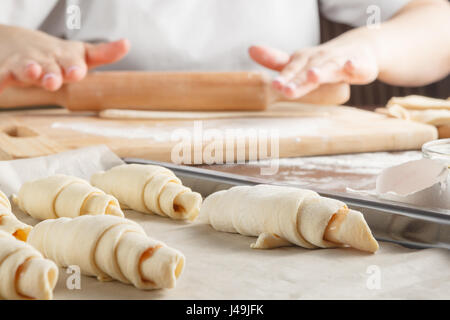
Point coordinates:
[[222, 266], [336, 173], [348, 174], [309, 126], [325, 130]]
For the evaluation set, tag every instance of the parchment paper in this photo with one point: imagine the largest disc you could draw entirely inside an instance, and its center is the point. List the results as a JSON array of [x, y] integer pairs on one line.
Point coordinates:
[[222, 266]]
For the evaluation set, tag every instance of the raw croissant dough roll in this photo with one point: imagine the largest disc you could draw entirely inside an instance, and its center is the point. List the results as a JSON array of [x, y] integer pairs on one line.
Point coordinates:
[[64, 196], [281, 216], [24, 273], [8, 221], [149, 189], [4, 202], [109, 248]]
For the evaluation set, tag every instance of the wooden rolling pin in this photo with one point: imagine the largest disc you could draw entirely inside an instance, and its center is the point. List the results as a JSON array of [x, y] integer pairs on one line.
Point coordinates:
[[165, 91]]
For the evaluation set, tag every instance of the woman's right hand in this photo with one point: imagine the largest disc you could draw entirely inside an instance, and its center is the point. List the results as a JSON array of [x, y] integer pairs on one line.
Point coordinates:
[[334, 91], [29, 57]]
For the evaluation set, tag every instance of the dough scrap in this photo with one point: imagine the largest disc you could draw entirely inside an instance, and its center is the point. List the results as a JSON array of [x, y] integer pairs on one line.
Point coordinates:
[[24, 273], [108, 247], [436, 117], [280, 216], [64, 196], [149, 189], [419, 102], [197, 115], [9, 222]]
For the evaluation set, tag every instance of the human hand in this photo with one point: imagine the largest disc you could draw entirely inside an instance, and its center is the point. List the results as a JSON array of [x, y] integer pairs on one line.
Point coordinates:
[[310, 69], [29, 57]]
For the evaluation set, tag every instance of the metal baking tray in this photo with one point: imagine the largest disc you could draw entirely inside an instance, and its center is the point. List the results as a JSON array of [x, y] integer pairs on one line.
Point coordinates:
[[389, 221]]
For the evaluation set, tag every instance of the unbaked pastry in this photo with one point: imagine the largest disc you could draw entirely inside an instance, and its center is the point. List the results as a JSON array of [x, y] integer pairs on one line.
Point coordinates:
[[419, 102], [8, 221], [281, 216], [24, 273], [108, 247], [64, 196], [436, 117], [149, 189], [197, 115]]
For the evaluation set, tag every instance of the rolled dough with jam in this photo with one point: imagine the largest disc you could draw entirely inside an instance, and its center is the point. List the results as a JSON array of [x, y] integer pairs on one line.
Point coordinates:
[[64, 196], [149, 189], [281, 216], [24, 273], [108, 248], [9, 222]]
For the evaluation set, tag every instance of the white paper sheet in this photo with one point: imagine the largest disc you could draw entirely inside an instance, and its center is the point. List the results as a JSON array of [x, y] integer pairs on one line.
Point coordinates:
[[222, 266], [81, 163]]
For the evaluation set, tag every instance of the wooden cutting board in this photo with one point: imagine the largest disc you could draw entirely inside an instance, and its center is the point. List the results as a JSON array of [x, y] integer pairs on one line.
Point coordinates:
[[302, 130]]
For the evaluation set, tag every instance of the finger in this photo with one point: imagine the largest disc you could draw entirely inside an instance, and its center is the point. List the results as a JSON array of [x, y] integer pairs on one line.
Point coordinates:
[[105, 53], [331, 93], [74, 68], [5, 79], [298, 87], [319, 70], [337, 69], [359, 73], [295, 65], [27, 72], [328, 71], [302, 83], [269, 57], [51, 76]]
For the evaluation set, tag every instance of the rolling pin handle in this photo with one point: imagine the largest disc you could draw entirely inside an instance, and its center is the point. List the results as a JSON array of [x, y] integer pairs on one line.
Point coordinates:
[[30, 97]]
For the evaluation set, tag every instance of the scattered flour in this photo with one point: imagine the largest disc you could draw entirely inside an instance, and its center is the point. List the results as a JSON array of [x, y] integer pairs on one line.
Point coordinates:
[[359, 163], [162, 131], [348, 173], [140, 132]]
